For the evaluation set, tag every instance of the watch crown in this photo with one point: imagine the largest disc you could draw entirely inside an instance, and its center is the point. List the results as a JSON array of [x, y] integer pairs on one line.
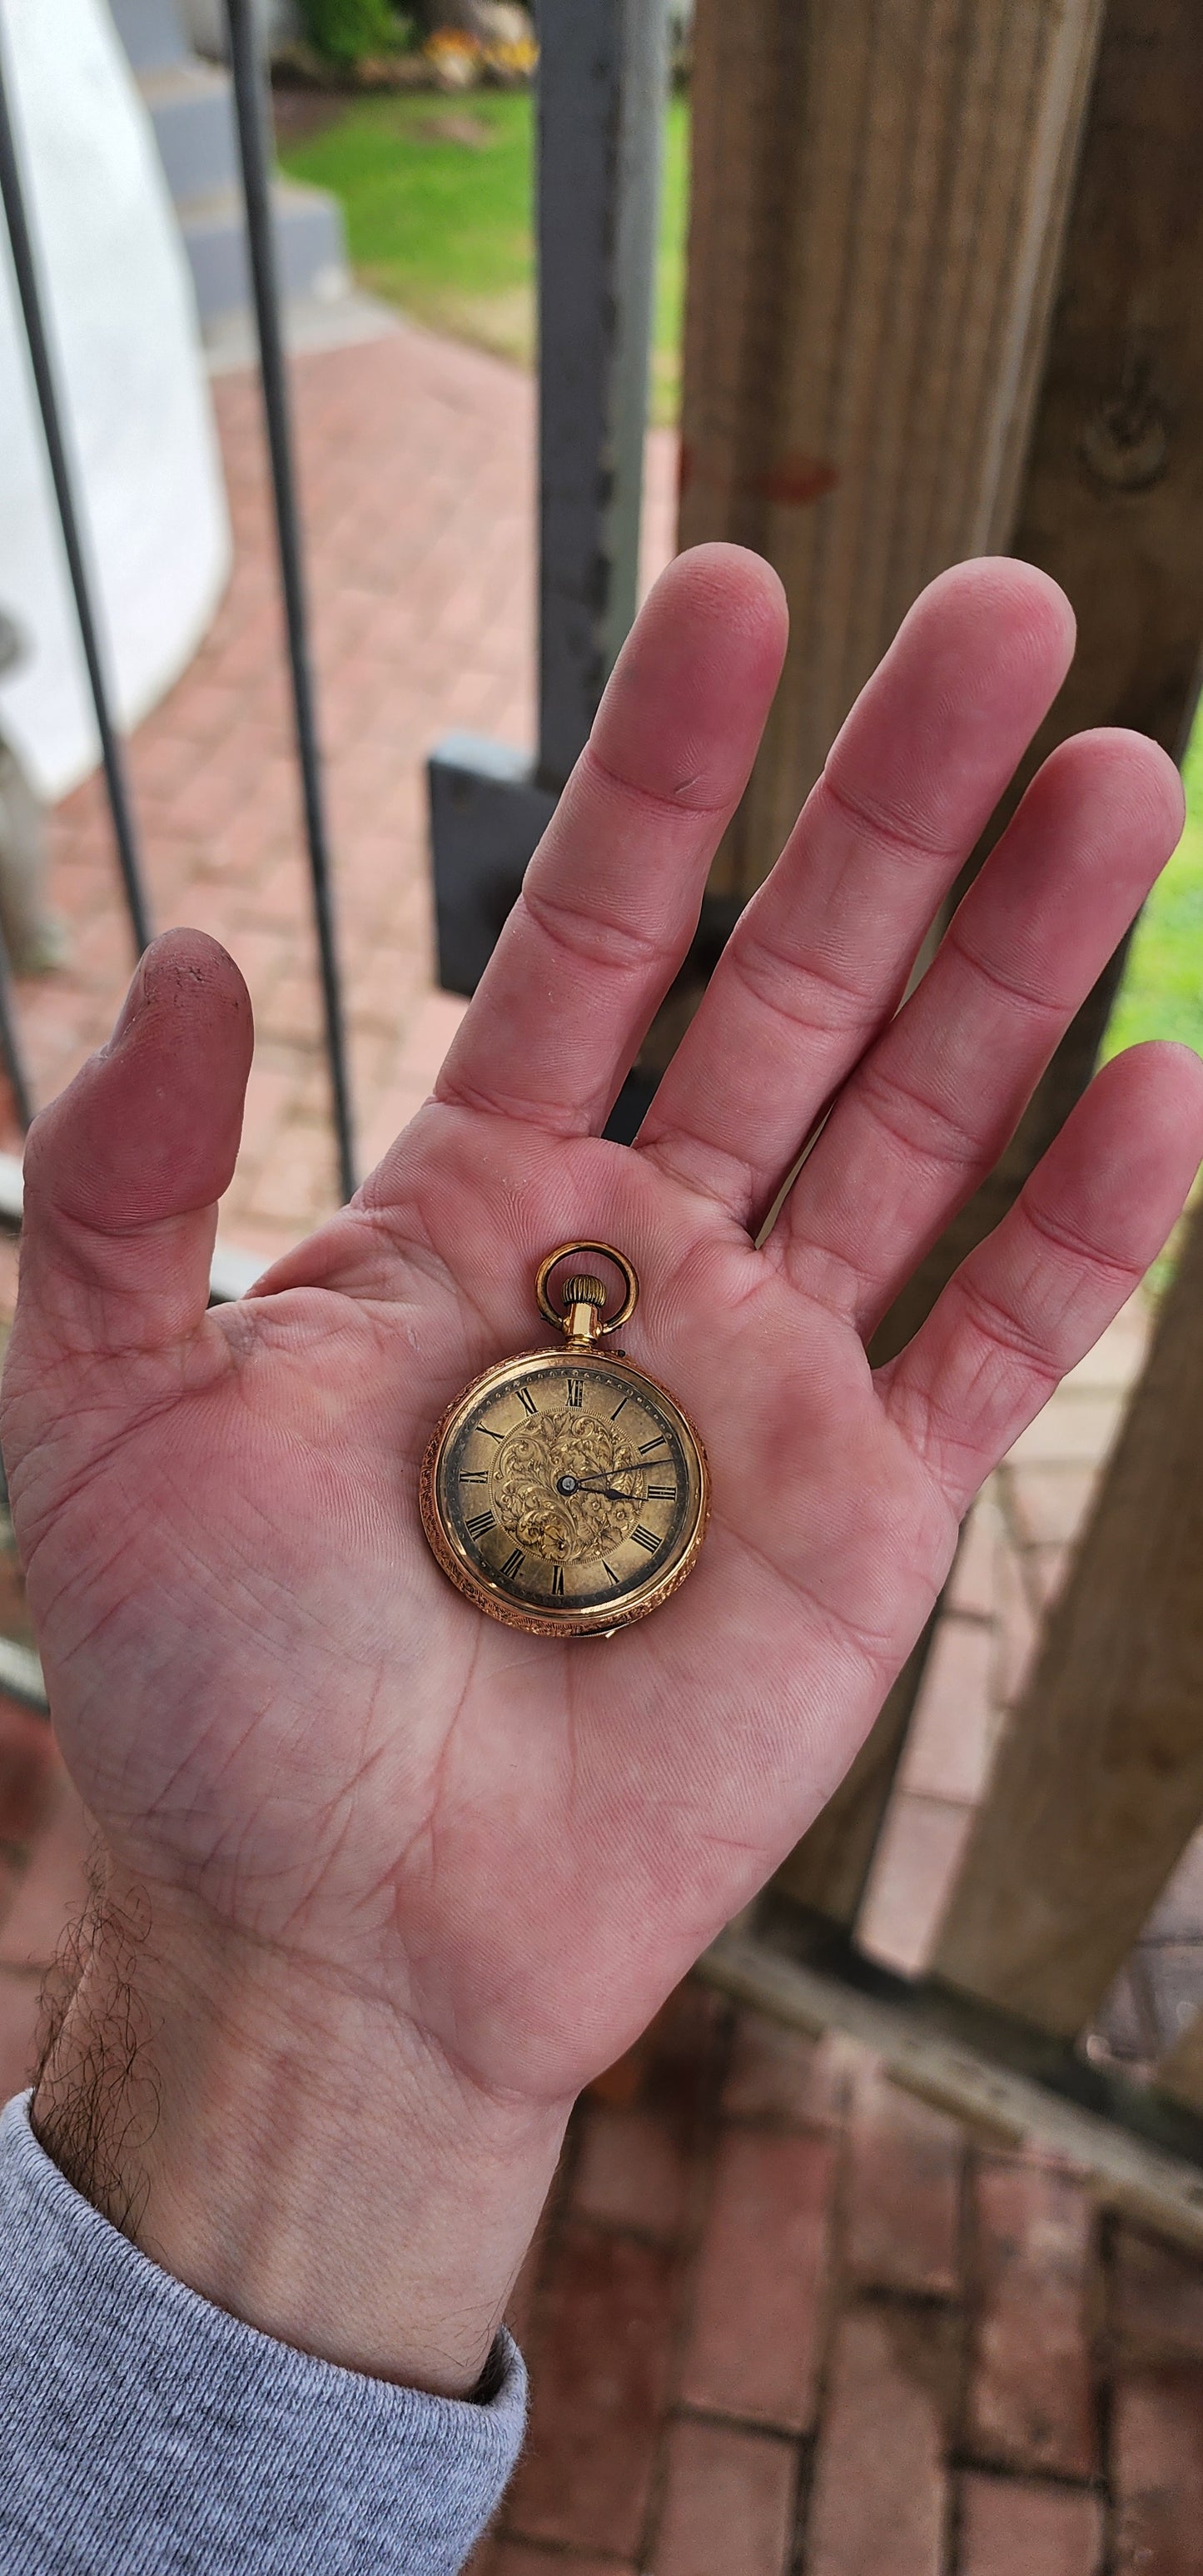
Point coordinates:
[[584, 1292]]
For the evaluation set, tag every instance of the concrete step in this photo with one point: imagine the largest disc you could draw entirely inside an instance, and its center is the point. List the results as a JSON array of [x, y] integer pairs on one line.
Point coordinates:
[[191, 107], [307, 322], [310, 249], [192, 110]]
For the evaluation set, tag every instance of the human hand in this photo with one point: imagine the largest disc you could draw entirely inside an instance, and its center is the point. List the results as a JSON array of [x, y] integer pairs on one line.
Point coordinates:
[[387, 1883]]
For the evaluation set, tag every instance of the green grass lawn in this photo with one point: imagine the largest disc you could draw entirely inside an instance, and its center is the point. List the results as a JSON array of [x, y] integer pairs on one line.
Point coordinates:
[[437, 198], [1162, 992]]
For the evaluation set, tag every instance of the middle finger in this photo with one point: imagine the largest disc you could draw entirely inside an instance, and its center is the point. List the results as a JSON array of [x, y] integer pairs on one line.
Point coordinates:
[[820, 957]]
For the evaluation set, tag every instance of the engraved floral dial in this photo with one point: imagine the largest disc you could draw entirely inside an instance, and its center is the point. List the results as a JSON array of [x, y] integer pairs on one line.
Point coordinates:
[[566, 1493]]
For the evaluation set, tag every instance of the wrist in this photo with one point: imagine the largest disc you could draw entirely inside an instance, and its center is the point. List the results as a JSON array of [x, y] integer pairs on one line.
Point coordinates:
[[300, 2155]]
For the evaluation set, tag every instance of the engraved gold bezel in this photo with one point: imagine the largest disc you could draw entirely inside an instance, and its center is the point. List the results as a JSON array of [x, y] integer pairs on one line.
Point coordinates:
[[601, 1618]]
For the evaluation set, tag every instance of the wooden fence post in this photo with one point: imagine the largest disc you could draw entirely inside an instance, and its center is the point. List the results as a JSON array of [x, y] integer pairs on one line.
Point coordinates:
[[1098, 1780], [879, 196], [864, 333], [1111, 499]]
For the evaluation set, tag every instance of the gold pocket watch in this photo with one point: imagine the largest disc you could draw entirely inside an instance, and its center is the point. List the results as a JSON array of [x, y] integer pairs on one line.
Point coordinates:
[[564, 1492]]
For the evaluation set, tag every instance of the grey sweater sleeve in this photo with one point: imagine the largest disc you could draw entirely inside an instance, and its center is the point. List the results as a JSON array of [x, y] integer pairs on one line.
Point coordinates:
[[145, 2430]]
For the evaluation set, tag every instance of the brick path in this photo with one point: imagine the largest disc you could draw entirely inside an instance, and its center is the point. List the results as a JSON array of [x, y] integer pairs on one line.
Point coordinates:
[[786, 2321], [783, 2321]]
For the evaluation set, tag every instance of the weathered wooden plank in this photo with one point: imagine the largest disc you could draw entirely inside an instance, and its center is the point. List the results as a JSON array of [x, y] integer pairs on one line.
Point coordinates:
[[1111, 501], [878, 199], [1098, 1780], [878, 205], [1154, 2181]]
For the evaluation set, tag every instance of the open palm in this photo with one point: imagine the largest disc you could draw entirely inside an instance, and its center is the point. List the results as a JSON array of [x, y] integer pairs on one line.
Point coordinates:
[[287, 1723]]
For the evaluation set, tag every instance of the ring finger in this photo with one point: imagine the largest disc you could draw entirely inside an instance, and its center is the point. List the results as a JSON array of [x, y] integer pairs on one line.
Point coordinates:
[[927, 1114]]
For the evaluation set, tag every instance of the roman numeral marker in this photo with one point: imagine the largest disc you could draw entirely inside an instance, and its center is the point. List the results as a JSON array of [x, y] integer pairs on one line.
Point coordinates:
[[526, 1401], [618, 1408], [478, 1525], [645, 1538], [473, 1476], [516, 1558], [576, 1390], [614, 1578], [557, 1583], [662, 1493], [498, 1436], [660, 1443]]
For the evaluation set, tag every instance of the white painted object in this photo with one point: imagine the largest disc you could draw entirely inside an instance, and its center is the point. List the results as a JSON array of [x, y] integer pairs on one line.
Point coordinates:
[[132, 385]]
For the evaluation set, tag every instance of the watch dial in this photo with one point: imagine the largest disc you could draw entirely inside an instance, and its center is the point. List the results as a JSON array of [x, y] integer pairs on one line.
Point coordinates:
[[569, 1485]]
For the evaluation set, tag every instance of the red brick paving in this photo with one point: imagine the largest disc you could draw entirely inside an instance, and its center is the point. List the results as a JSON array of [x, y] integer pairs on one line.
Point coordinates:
[[47, 1893], [20, 2005], [1156, 2302], [514, 2558], [729, 2500], [1158, 2454], [1032, 2397], [902, 2196], [900, 2475], [763, 2255], [949, 1757], [960, 2380], [1044, 2530], [631, 2171], [604, 2339], [881, 2489]]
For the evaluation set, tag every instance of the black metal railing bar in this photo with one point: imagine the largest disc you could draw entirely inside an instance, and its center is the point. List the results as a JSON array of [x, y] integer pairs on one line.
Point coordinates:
[[251, 109]]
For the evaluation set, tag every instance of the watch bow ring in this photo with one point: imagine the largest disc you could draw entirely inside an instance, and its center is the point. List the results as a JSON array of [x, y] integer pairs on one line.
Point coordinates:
[[565, 1492]]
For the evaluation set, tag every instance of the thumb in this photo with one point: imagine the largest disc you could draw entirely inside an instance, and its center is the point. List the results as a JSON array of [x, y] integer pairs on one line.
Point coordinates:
[[124, 1170]]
